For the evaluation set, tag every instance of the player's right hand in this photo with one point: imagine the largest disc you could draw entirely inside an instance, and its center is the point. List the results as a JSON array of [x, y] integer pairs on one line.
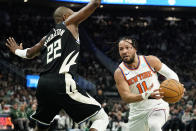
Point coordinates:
[[12, 45], [156, 93]]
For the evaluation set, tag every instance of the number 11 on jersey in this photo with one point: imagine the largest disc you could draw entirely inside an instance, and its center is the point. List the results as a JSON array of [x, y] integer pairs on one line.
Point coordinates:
[[142, 87]]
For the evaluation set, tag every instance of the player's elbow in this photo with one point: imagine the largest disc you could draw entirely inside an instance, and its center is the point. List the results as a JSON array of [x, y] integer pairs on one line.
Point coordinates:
[[29, 55], [125, 99]]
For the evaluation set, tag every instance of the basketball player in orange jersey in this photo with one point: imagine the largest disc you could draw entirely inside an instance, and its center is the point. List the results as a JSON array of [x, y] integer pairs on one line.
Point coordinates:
[[137, 82], [57, 88]]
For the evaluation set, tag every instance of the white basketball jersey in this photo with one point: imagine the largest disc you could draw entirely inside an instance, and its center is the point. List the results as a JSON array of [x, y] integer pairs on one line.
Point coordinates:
[[139, 80]]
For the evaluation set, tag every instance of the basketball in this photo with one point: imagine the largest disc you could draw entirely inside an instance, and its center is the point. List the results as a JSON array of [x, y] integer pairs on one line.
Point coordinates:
[[173, 90]]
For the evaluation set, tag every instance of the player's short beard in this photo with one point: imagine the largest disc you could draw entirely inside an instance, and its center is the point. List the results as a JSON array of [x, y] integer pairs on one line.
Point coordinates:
[[131, 60]]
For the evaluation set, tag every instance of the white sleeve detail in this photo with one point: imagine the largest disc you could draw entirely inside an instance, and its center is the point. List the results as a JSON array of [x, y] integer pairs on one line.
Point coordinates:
[[21, 53], [168, 73]]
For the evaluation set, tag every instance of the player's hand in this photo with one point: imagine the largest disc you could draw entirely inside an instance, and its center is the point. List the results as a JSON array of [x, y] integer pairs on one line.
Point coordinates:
[[12, 45], [156, 93]]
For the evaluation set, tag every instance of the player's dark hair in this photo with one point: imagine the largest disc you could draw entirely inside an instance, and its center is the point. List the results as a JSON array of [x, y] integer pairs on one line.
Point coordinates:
[[134, 42]]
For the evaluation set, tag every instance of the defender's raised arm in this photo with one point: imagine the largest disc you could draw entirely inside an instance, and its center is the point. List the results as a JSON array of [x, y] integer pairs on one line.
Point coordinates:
[[70, 17]]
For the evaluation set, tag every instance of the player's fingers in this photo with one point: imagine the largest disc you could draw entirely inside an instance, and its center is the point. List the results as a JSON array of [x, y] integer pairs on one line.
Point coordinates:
[[159, 97], [9, 40], [13, 40], [7, 45], [156, 93], [21, 45], [161, 93], [156, 90]]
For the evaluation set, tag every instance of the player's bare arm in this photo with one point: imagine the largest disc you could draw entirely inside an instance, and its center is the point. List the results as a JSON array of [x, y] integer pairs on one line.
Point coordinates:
[[77, 17], [123, 88], [35, 50], [161, 67], [27, 53], [125, 93]]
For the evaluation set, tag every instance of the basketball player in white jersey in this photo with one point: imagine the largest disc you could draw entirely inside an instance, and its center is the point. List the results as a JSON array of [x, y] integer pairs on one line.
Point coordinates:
[[138, 85]]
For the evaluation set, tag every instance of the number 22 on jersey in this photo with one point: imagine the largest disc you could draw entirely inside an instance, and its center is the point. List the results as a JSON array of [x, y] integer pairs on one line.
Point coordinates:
[[52, 50], [142, 87]]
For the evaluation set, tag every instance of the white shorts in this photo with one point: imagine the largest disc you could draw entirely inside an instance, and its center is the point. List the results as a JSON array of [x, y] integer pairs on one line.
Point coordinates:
[[138, 120]]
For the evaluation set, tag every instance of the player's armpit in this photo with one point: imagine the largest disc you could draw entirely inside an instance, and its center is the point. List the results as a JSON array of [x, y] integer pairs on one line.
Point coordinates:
[[83, 14], [123, 89]]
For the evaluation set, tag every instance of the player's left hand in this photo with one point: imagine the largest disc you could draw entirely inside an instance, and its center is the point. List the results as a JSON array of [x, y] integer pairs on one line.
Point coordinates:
[[12, 45], [157, 94]]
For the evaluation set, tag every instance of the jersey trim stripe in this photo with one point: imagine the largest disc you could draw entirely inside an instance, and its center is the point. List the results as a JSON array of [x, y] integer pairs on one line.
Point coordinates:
[[39, 120], [133, 68], [122, 72], [156, 109], [89, 117], [148, 64]]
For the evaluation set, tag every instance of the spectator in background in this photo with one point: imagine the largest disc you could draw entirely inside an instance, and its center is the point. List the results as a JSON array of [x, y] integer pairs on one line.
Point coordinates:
[[193, 121], [14, 113], [186, 117], [100, 96], [1, 105], [175, 121], [22, 118], [61, 121], [29, 112]]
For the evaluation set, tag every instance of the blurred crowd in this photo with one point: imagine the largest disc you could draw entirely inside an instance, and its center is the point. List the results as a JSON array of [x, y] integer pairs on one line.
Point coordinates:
[[172, 40]]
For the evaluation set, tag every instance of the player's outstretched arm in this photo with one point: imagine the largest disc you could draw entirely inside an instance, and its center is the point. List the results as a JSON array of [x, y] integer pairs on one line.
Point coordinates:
[[18, 50], [162, 68], [77, 17]]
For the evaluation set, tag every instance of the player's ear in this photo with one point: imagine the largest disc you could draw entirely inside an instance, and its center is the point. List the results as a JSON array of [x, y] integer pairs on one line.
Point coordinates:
[[64, 17]]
